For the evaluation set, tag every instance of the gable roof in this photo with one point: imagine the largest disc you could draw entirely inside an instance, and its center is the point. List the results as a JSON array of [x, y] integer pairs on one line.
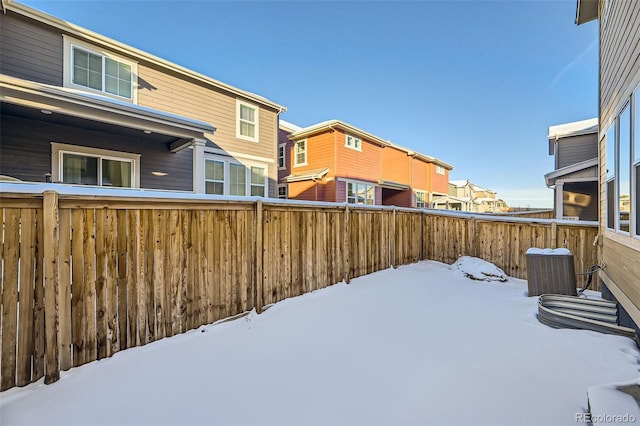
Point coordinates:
[[119, 47], [551, 177]]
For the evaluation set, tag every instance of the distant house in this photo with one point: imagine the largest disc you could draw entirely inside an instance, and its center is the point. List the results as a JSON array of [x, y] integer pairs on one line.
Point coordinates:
[[472, 198], [575, 177], [335, 161], [618, 149], [80, 108]]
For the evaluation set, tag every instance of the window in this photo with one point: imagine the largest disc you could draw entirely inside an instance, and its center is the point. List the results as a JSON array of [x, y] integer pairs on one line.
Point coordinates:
[[610, 162], [353, 142], [440, 170], [636, 158], [360, 193], [237, 179], [258, 181], [92, 166], [224, 176], [247, 121], [92, 68], [214, 177], [624, 169], [282, 156], [301, 153], [420, 197], [622, 173], [282, 191]]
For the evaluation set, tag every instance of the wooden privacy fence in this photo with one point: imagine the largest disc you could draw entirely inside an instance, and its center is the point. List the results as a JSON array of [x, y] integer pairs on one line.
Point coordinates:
[[84, 277]]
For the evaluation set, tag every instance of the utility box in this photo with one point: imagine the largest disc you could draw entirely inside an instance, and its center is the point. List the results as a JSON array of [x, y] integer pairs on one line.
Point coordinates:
[[550, 271]]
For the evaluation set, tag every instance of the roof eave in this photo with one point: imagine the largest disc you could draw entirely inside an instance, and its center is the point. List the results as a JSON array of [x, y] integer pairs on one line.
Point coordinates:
[[586, 11]]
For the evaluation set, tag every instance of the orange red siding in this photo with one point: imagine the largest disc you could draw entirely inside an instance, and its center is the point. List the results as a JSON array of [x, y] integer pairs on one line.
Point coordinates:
[[395, 165]]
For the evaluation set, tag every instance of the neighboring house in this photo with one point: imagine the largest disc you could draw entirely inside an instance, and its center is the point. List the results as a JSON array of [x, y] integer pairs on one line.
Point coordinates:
[[619, 148], [575, 178], [78, 107], [474, 198], [335, 161]]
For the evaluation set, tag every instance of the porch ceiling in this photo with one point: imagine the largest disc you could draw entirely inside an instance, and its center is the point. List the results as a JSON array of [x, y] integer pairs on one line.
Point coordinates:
[[60, 105]]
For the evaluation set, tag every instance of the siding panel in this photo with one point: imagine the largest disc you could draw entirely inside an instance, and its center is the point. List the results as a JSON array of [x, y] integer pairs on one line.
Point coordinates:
[[30, 51]]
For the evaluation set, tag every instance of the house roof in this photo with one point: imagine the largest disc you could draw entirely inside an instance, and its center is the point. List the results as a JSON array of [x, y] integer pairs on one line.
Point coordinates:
[[307, 175], [117, 46], [393, 185], [576, 128], [586, 10], [460, 183], [445, 198], [289, 127], [76, 103], [346, 127], [551, 177]]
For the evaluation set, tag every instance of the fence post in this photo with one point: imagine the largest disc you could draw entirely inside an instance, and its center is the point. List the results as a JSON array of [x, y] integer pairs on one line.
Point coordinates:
[[51, 243], [554, 235], [259, 257], [347, 249], [474, 236], [392, 239], [421, 234]]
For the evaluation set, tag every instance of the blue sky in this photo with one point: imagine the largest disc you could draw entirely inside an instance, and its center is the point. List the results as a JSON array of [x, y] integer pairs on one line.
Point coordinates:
[[474, 83]]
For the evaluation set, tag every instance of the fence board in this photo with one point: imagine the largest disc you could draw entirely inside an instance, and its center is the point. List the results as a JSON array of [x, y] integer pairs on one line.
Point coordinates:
[[10, 297], [101, 285], [65, 321], [38, 303], [111, 250], [122, 244], [51, 239], [25, 297], [79, 317]]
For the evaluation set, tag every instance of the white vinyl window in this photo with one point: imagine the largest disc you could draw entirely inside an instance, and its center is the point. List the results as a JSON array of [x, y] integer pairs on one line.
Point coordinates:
[[300, 153], [91, 166], [258, 181], [92, 68], [282, 191], [622, 182], [353, 142], [635, 173], [224, 176], [214, 177], [440, 170], [282, 156], [420, 199], [247, 121], [361, 193]]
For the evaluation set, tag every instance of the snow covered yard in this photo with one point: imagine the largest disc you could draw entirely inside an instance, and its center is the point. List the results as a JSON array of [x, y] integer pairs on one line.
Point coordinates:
[[421, 344]]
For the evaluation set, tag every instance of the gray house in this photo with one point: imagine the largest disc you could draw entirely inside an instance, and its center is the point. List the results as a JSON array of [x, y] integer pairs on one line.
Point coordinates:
[[575, 177], [77, 107]]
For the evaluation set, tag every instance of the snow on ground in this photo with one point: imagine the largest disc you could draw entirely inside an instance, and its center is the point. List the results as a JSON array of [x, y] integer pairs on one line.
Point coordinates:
[[420, 344]]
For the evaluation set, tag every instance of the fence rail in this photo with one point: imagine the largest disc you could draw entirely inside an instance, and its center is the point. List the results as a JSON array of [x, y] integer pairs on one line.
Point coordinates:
[[84, 277]]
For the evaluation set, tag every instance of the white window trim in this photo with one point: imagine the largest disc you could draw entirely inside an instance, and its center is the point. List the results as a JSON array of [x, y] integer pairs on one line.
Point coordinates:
[[306, 153], [57, 149], [286, 191], [346, 142], [282, 146], [425, 200], [361, 182], [240, 103], [247, 165], [440, 170], [69, 42]]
